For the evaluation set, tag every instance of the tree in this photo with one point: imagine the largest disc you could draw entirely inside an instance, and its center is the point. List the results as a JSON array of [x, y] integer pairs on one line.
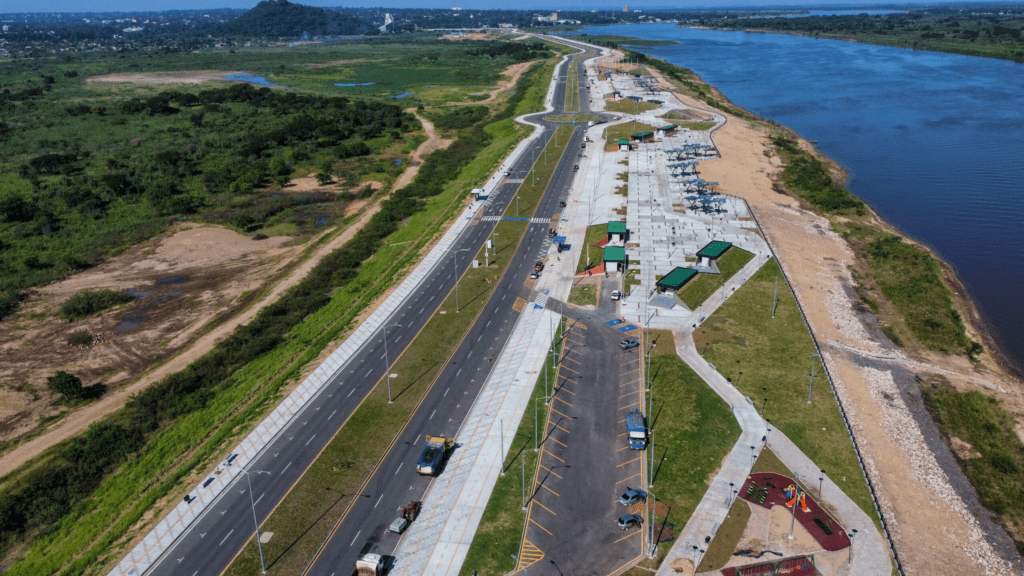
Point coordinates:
[[67, 384]]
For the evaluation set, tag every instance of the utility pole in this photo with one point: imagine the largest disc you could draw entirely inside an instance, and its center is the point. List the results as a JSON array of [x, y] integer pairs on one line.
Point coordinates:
[[387, 363], [810, 388], [501, 428], [252, 502], [776, 296]]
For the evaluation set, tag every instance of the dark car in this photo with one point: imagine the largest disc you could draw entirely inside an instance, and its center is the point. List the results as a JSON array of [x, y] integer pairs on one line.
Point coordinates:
[[632, 496], [630, 520], [629, 343]]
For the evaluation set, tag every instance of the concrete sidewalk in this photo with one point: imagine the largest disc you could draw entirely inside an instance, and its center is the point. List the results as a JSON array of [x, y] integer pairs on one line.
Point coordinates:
[[438, 541]]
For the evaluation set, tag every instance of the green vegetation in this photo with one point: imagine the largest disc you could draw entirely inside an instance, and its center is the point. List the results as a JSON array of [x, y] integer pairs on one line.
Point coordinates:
[[591, 255], [698, 290], [67, 384], [583, 295], [69, 513], [458, 117], [728, 536], [572, 89], [578, 118], [689, 83], [500, 534], [80, 338], [910, 280], [690, 124], [693, 432], [769, 360], [613, 134], [613, 41], [992, 34], [994, 458], [626, 106], [88, 302], [810, 179]]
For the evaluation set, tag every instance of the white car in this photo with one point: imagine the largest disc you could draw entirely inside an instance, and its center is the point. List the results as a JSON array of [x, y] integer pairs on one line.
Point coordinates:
[[616, 295]]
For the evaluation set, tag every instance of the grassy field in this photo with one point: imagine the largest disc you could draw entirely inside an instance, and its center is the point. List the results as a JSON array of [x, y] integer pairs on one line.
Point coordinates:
[[770, 361], [603, 40], [625, 106], [693, 431], [583, 295], [728, 536], [536, 181], [700, 288], [500, 533], [594, 234], [572, 90], [613, 134], [690, 124]]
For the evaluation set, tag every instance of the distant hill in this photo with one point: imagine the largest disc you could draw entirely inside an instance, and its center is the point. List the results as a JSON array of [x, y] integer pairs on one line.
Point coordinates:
[[277, 18]]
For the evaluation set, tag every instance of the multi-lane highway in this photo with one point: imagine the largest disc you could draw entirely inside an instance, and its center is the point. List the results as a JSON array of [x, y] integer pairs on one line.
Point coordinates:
[[209, 546]]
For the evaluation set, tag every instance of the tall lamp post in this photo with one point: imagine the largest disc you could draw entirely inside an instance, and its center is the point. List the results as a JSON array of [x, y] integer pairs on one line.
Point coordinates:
[[455, 269], [810, 388], [387, 362], [536, 447], [259, 544], [792, 523]]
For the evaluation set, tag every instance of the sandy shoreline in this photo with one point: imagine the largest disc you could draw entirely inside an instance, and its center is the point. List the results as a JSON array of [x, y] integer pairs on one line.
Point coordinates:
[[914, 491]]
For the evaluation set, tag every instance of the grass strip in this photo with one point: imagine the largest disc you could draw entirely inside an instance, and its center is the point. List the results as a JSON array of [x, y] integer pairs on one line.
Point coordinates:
[[728, 536], [591, 255], [770, 360], [536, 181], [703, 286], [693, 431], [571, 117], [500, 533], [613, 134], [583, 295], [629, 106]]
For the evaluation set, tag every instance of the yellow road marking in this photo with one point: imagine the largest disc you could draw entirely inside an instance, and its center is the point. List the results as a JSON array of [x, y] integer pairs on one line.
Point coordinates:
[[621, 421], [555, 440], [544, 486], [630, 462], [519, 305], [570, 370], [571, 359], [555, 474], [566, 403], [541, 527], [553, 456], [623, 448], [538, 503], [560, 388], [557, 412], [633, 533], [630, 406], [630, 371], [529, 555], [560, 428], [628, 479], [629, 394]]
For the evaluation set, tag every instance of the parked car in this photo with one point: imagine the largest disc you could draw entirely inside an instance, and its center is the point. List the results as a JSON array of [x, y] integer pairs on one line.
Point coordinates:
[[630, 520], [632, 496], [629, 343], [534, 274], [616, 295]]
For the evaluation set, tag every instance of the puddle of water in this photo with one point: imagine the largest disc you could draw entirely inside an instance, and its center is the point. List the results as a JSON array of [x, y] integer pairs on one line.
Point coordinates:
[[138, 294], [131, 322], [402, 95], [170, 294], [354, 84], [258, 80], [397, 162], [170, 280]]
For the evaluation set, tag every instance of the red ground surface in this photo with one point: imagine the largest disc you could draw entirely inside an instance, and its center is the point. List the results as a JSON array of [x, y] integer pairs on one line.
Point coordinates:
[[776, 485], [601, 243], [799, 566], [599, 269]]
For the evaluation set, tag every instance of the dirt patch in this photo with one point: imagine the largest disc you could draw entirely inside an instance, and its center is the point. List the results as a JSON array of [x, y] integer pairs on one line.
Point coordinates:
[[473, 36], [183, 77], [337, 63], [513, 73]]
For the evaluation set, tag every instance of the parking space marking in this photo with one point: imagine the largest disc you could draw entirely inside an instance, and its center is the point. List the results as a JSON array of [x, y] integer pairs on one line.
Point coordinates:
[[560, 428], [548, 452], [629, 394], [555, 474], [544, 486], [630, 406], [631, 534], [561, 388], [541, 527], [566, 357], [637, 475], [630, 382], [564, 367], [623, 448], [559, 413], [629, 462], [541, 504], [564, 402], [637, 369], [556, 441]]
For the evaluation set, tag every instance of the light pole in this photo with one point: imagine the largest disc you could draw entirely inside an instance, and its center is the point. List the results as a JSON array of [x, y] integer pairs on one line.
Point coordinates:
[[650, 483], [387, 363], [654, 513], [455, 270], [501, 428], [728, 497], [536, 447], [796, 489], [810, 388], [259, 544], [522, 460], [821, 485], [853, 533]]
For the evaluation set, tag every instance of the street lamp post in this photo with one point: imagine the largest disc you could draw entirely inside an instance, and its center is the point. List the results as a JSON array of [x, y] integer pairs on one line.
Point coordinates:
[[536, 447], [654, 513], [387, 362], [792, 523], [259, 544], [810, 388], [821, 484], [849, 560], [455, 270]]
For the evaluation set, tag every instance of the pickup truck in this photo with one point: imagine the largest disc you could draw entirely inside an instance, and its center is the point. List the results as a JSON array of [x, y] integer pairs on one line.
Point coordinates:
[[433, 454]]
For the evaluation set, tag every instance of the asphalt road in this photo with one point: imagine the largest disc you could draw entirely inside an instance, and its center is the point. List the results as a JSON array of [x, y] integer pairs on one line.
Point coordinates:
[[210, 545]]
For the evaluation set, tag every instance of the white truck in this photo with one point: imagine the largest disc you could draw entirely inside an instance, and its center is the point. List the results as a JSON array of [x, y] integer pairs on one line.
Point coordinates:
[[370, 565]]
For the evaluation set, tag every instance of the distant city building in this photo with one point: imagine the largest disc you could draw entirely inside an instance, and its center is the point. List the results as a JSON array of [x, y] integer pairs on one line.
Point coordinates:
[[554, 16], [389, 24], [625, 7], [456, 8], [506, 25]]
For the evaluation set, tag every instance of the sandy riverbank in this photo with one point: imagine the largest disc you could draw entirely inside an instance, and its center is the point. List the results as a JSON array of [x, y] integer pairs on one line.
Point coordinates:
[[933, 528]]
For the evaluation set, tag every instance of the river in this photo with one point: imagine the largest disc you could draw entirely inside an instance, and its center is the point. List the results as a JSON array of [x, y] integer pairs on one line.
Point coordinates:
[[934, 142]]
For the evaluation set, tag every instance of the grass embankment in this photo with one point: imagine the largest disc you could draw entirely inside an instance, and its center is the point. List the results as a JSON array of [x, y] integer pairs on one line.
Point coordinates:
[[700, 288], [770, 361], [591, 255], [572, 87], [693, 431], [690, 124], [583, 294], [204, 414], [613, 134], [728, 536], [613, 41], [500, 533], [626, 106], [994, 458]]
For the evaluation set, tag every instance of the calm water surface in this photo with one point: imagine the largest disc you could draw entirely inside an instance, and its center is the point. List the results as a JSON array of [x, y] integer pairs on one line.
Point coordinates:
[[934, 142]]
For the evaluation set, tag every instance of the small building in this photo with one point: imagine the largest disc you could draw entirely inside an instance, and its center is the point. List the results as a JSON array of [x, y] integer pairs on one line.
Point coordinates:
[[479, 193], [676, 279], [615, 259], [664, 131], [713, 251], [615, 95], [635, 98], [642, 137], [625, 146], [617, 232]]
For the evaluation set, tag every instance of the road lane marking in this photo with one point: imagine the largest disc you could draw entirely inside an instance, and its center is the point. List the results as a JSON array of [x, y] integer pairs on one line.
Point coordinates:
[[310, 439], [368, 372], [541, 527], [399, 468], [335, 412], [378, 501], [445, 392], [286, 467], [432, 415], [226, 537], [350, 393], [354, 539]]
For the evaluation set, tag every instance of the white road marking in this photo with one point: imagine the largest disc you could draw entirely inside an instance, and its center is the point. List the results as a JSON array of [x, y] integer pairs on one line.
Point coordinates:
[[432, 415], [350, 393], [310, 439], [399, 468], [286, 467], [354, 539], [335, 412], [378, 501], [226, 537], [445, 392]]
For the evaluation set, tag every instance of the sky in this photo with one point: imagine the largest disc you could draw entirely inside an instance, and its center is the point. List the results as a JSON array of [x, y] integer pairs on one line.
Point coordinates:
[[137, 5]]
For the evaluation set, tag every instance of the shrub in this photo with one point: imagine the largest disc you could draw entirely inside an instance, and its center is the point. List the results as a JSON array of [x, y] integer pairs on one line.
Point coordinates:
[[67, 384], [88, 302], [80, 338]]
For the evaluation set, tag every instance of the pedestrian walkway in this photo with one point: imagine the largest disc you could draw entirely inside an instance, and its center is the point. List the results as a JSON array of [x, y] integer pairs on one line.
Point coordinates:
[[438, 541]]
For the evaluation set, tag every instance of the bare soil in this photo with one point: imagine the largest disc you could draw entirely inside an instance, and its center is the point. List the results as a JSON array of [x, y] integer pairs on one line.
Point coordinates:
[[182, 77], [933, 532], [513, 73], [218, 267]]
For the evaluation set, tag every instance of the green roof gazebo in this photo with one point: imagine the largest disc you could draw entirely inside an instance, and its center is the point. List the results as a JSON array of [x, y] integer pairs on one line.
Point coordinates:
[[615, 259], [617, 229], [676, 279]]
